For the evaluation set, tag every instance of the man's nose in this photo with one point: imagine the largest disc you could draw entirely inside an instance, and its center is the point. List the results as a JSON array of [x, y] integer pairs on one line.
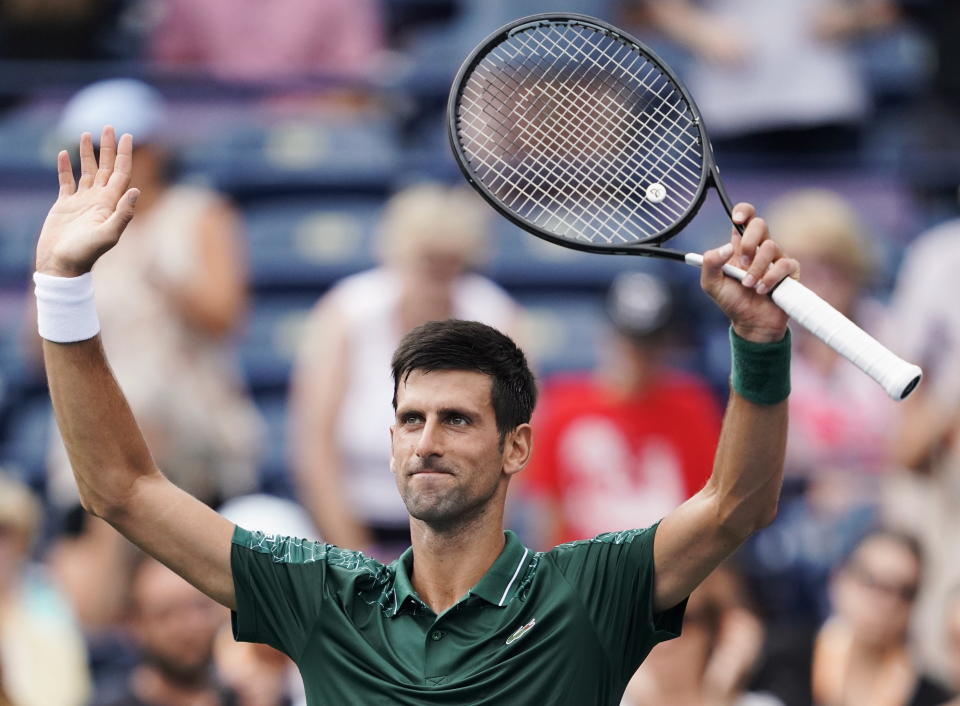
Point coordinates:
[[429, 443]]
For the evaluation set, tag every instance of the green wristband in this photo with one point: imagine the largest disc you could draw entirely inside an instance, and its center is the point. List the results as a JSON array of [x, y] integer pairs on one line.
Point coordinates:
[[760, 372]]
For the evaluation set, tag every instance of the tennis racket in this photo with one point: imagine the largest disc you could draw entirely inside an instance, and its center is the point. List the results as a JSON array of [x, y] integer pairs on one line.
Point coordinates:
[[579, 134]]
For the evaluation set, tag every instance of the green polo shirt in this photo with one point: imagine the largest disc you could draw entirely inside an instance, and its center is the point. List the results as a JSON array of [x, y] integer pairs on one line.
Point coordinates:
[[568, 626]]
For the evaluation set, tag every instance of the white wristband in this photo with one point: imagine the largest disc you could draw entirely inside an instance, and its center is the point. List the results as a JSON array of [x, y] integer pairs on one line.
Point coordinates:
[[66, 311]]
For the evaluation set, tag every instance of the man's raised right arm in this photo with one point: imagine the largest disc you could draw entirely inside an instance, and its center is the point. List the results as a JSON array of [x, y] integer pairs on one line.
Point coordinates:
[[115, 472]]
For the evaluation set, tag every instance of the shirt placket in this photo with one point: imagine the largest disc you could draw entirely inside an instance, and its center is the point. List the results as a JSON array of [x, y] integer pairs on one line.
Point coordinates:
[[436, 663]]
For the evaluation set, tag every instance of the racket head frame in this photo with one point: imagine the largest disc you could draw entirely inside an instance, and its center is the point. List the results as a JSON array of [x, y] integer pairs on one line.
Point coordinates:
[[648, 246]]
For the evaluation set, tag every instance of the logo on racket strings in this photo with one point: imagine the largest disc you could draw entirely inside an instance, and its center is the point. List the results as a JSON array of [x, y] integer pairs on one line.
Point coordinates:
[[656, 192]]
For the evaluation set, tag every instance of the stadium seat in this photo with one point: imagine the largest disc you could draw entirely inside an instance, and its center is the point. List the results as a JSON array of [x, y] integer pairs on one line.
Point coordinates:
[[561, 331], [309, 241], [274, 477], [269, 343], [29, 150], [23, 213], [250, 157], [523, 261], [24, 450]]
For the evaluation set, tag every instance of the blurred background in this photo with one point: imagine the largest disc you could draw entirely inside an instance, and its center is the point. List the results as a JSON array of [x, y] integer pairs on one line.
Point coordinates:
[[301, 210]]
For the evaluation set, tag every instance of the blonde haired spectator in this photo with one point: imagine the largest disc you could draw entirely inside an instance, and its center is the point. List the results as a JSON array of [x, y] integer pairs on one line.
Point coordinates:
[[431, 237], [43, 660], [838, 449], [840, 419]]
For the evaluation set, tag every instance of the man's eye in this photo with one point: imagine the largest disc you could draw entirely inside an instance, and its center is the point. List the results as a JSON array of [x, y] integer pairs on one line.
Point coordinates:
[[458, 421], [411, 419]]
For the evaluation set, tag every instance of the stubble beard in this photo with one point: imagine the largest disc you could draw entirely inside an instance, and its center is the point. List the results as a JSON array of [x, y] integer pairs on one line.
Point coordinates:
[[450, 510]]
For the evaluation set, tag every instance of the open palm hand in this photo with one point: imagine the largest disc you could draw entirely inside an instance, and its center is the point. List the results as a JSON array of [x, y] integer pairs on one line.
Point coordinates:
[[88, 216]]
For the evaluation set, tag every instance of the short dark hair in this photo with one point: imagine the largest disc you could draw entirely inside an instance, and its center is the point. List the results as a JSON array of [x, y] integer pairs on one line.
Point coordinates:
[[905, 539], [475, 347]]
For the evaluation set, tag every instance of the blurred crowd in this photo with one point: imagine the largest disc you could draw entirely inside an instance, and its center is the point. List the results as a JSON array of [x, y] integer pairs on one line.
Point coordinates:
[[843, 114]]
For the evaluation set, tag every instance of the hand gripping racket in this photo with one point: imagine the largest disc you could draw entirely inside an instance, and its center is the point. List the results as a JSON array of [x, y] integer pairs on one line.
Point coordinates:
[[579, 134]]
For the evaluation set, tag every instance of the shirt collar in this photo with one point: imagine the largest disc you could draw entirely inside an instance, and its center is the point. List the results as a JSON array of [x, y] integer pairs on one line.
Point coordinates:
[[498, 586]]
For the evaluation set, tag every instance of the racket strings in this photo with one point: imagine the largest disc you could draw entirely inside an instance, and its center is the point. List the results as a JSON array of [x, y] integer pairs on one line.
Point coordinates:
[[568, 126], [563, 124], [627, 166], [543, 166], [547, 163], [622, 117], [602, 72]]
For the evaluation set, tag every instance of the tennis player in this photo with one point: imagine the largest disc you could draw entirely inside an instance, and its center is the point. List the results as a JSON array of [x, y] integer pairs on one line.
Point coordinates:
[[468, 615]]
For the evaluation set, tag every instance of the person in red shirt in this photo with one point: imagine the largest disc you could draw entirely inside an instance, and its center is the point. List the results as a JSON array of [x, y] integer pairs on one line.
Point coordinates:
[[623, 445]]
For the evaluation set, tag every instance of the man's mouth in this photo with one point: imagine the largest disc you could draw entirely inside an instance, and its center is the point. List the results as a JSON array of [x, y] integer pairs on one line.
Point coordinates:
[[431, 470]]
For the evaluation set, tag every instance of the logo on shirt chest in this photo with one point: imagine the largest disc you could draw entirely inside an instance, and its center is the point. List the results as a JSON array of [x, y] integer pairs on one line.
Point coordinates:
[[520, 632]]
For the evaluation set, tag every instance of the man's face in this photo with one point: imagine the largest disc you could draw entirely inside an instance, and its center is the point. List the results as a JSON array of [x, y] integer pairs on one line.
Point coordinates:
[[175, 624], [446, 452]]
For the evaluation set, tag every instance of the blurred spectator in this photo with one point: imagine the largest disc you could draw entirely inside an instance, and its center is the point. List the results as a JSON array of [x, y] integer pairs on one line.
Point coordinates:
[[708, 665], [43, 661], [774, 77], [169, 298], [952, 622], [840, 419], [58, 29], [251, 40], [174, 626], [838, 450], [341, 409], [931, 155], [259, 674], [624, 445], [925, 498], [861, 656]]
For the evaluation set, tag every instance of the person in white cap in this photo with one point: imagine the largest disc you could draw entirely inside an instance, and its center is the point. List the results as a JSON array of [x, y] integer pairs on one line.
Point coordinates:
[[169, 300]]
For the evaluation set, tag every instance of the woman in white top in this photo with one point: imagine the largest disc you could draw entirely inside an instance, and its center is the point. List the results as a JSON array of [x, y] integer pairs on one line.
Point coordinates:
[[341, 387]]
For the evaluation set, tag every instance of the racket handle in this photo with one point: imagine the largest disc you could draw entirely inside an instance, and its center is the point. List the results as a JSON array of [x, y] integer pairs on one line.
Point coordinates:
[[895, 375]]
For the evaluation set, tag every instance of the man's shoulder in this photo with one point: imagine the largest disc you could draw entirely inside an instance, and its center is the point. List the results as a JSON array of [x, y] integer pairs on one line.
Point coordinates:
[[297, 550], [594, 545]]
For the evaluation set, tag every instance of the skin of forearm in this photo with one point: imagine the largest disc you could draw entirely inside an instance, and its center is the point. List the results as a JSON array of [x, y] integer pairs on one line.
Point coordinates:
[[748, 470], [106, 449]]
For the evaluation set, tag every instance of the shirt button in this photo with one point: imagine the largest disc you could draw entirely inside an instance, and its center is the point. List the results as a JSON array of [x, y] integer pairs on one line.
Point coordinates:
[[436, 635]]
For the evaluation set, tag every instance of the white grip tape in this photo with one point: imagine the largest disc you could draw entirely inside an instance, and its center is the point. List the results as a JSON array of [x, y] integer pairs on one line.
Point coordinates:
[[895, 375], [66, 311]]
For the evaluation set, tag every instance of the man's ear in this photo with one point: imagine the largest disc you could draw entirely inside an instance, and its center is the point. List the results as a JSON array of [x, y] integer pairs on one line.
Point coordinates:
[[517, 447], [393, 468]]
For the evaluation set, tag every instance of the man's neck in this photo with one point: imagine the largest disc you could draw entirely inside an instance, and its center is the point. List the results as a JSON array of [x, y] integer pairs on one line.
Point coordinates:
[[448, 564]]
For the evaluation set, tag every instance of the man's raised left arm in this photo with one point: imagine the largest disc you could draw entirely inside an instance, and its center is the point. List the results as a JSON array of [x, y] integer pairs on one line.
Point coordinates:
[[742, 493]]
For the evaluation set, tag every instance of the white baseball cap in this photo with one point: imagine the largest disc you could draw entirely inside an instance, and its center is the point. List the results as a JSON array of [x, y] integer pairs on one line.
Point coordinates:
[[270, 515], [127, 104], [640, 304]]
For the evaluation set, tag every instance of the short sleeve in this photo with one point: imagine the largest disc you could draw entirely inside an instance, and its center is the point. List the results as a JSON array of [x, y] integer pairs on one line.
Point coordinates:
[[613, 573], [280, 586]]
